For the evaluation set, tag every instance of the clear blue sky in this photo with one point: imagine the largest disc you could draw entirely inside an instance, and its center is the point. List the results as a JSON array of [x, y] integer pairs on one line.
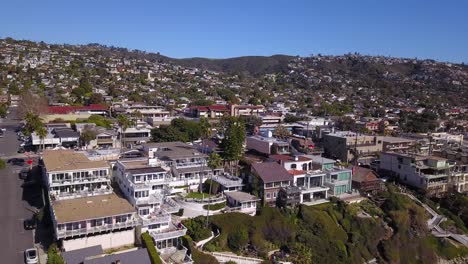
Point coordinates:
[[229, 28]]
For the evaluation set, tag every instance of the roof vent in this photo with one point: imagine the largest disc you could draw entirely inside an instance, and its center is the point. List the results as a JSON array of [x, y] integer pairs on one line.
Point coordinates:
[[104, 200], [89, 202]]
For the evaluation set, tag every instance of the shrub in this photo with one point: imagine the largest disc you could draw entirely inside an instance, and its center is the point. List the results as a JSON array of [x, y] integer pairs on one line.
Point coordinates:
[[2, 164], [214, 207], [180, 213], [197, 255], [53, 255], [196, 228], [237, 240], [148, 243]]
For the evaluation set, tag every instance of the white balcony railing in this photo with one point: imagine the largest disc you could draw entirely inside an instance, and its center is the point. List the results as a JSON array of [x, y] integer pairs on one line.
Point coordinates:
[[80, 194], [173, 232], [156, 219], [151, 199], [96, 229], [80, 180], [190, 164]]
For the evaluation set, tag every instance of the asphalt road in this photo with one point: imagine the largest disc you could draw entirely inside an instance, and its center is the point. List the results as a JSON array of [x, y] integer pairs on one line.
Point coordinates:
[[13, 210]]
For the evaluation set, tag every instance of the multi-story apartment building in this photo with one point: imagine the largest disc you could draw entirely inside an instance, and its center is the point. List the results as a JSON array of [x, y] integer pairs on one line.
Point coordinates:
[[144, 183], [106, 220], [338, 180], [270, 177], [70, 174], [428, 173], [84, 210], [135, 135], [397, 144], [188, 166], [247, 110], [459, 177], [347, 146], [267, 145]]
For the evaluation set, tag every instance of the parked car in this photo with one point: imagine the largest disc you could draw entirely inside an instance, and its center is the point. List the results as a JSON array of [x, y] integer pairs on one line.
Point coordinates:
[[24, 173], [16, 161], [30, 224], [30, 256]]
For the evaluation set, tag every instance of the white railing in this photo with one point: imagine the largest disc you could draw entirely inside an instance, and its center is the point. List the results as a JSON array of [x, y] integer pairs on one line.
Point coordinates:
[[167, 234], [80, 194], [81, 180], [96, 229], [151, 199], [156, 219], [190, 164]]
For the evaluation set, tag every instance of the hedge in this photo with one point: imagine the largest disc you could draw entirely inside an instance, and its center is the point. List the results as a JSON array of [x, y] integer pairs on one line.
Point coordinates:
[[53, 255], [2, 164], [214, 207], [149, 245], [197, 255]]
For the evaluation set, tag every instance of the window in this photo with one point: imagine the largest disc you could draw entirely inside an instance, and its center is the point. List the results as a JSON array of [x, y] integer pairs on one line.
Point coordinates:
[[274, 195], [144, 211], [157, 187], [293, 166], [268, 195], [137, 178]]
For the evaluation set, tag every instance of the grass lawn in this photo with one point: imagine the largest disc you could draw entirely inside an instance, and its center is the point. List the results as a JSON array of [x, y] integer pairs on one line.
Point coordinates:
[[214, 207], [197, 195]]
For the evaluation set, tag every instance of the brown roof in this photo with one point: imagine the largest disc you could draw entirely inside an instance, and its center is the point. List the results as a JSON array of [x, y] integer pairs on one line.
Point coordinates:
[[272, 172], [92, 207], [66, 160], [361, 174]]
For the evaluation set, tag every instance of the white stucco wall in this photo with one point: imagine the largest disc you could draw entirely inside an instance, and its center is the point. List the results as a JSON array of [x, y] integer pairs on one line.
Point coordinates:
[[111, 240]]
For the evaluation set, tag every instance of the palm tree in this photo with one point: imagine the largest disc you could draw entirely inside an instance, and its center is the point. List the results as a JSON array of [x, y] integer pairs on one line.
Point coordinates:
[[41, 131], [205, 127], [214, 161], [124, 123], [33, 122]]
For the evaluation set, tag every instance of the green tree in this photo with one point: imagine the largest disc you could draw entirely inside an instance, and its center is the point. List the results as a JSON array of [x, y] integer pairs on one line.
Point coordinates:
[[124, 123], [233, 140], [87, 135], [33, 122], [96, 98], [281, 131], [3, 110], [41, 131], [53, 255], [205, 127]]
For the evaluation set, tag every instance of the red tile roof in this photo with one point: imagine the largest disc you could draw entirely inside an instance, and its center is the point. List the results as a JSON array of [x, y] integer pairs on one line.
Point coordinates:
[[296, 172], [70, 109], [218, 108]]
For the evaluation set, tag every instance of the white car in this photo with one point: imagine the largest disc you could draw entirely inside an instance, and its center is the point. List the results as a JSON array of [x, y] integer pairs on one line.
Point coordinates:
[[31, 256]]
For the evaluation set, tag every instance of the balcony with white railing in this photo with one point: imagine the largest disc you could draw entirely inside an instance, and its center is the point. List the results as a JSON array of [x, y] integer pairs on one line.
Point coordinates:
[[84, 180], [170, 206], [172, 232], [63, 233], [189, 164], [151, 199], [79, 194], [156, 218]]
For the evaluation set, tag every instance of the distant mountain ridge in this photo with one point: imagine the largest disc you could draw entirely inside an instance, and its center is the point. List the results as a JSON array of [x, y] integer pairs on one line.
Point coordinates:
[[254, 65]]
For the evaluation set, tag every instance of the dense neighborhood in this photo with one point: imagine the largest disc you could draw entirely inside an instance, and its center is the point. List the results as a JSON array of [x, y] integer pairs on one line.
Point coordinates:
[[138, 158]]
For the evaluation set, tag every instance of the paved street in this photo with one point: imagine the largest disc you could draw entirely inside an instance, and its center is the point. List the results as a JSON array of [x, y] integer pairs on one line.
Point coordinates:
[[12, 208]]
